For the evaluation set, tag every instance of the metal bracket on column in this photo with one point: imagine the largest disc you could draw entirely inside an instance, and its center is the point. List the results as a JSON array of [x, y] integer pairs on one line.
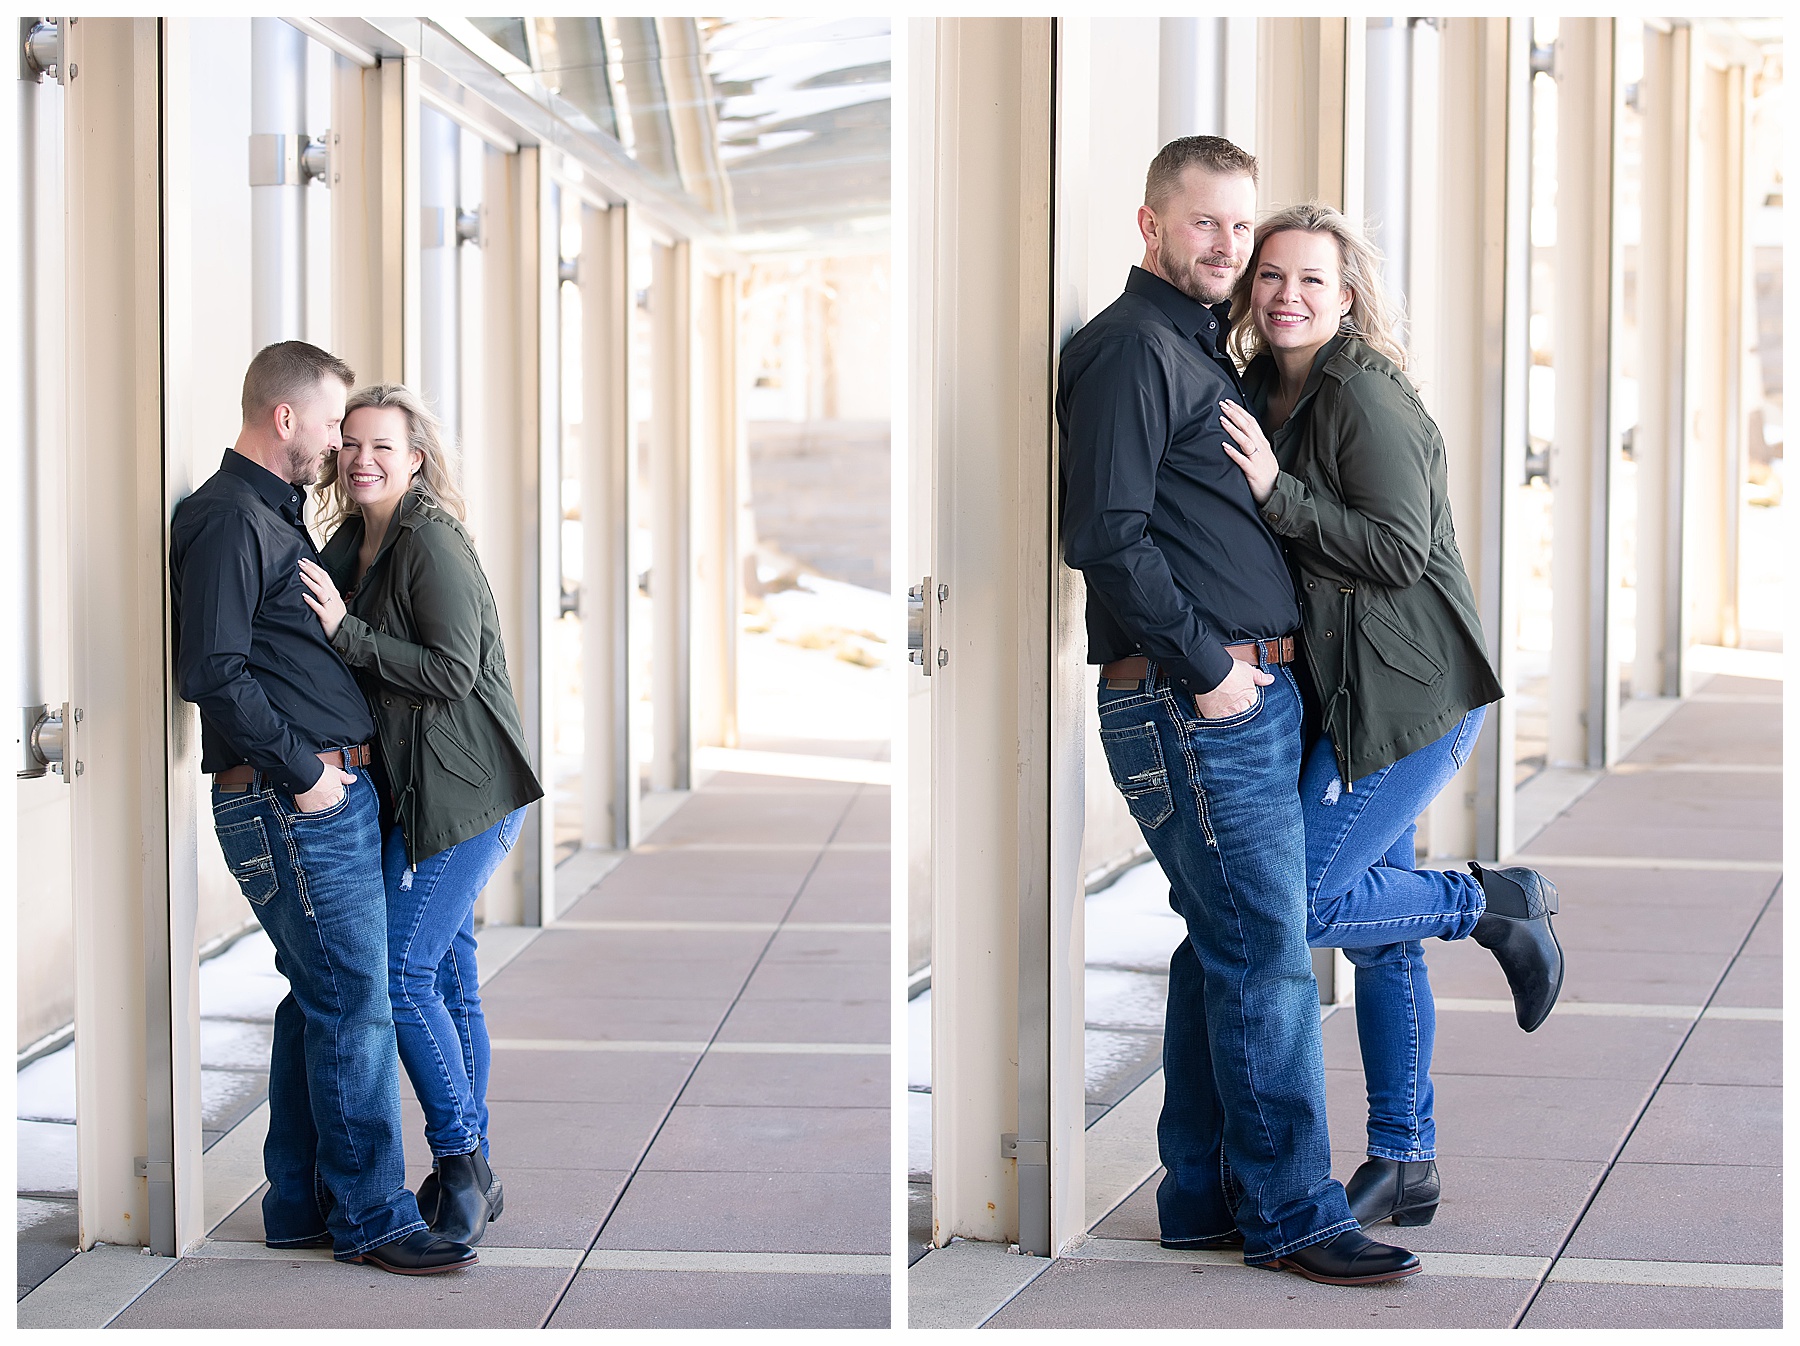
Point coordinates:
[[161, 1171], [918, 625], [289, 160], [47, 738], [41, 50], [1025, 1151]]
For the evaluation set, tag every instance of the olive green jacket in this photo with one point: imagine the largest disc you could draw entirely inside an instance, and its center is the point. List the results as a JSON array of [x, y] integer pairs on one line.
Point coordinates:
[[423, 636], [1389, 625]]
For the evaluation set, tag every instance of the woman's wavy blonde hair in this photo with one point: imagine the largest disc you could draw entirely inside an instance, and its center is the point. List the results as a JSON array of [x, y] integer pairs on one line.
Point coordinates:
[[1374, 318], [435, 479]]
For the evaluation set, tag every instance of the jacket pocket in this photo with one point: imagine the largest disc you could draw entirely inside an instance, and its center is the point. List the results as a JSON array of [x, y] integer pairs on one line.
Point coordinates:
[[1400, 651], [246, 848], [1135, 758], [454, 757]]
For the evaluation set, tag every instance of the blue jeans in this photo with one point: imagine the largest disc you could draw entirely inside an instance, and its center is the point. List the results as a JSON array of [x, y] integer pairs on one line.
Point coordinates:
[[1365, 897], [333, 1157], [433, 983], [1242, 1133]]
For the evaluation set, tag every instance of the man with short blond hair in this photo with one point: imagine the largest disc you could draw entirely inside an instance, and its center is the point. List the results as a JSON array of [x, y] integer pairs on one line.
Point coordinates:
[[1192, 615]]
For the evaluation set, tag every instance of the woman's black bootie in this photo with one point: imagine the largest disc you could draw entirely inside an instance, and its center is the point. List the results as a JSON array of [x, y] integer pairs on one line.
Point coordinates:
[[1515, 928], [468, 1198], [1402, 1190]]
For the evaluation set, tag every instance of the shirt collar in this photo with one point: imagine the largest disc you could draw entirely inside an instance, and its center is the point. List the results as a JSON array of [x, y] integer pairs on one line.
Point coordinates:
[[1190, 316], [281, 496]]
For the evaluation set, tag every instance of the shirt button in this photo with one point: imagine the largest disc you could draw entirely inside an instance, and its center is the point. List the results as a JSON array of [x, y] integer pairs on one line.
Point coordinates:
[[1328, 635], [1309, 584]]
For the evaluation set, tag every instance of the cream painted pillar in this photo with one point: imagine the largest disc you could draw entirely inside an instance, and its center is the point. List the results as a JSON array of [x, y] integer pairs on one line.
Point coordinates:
[[671, 453], [713, 572], [1662, 319], [608, 792], [185, 465], [996, 982], [1309, 99], [1583, 688], [503, 470], [117, 666], [1468, 358], [1714, 356], [375, 219]]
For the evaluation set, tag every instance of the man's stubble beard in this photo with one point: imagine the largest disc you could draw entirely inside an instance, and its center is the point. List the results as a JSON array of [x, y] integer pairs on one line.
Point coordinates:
[[1195, 286], [302, 466]]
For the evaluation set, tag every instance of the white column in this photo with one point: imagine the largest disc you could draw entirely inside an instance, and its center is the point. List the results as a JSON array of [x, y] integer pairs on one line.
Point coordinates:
[[1310, 122], [1388, 136], [118, 677], [670, 475], [440, 316], [712, 569], [277, 189], [1469, 359], [606, 305], [375, 219], [1662, 319], [1582, 694], [994, 991]]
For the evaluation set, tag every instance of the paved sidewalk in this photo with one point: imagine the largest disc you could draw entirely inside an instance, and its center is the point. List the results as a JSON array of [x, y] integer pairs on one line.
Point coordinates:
[[1620, 1167], [689, 1100]]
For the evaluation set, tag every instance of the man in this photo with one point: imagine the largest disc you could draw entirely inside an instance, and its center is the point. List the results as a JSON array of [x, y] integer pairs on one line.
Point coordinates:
[[283, 727], [1191, 612]]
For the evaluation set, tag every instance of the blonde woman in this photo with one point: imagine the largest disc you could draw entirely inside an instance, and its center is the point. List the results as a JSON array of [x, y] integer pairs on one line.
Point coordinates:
[[402, 597], [1349, 471]]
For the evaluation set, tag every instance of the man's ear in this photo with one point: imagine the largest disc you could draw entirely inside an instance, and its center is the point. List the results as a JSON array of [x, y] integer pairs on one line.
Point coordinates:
[[1147, 226], [284, 420]]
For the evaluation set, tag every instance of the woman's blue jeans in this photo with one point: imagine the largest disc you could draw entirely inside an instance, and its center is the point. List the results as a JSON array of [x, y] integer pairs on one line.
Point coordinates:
[[433, 983], [1364, 896]]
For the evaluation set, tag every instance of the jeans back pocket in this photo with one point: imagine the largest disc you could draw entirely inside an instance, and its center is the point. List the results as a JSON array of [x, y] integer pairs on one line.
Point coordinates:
[[1135, 757], [246, 848]]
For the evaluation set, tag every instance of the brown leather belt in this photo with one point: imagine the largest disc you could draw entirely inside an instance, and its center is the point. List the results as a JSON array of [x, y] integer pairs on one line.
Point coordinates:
[[341, 758], [1276, 650]]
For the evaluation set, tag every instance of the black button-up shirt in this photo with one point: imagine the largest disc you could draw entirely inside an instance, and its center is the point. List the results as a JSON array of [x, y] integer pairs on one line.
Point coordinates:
[[1160, 522], [248, 651]]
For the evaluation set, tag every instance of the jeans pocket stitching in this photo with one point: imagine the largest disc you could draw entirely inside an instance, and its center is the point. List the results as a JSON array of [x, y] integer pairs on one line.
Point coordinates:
[[254, 869], [1231, 721], [1148, 788]]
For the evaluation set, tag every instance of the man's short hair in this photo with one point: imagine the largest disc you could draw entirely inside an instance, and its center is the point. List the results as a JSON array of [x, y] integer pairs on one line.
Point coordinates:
[[287, 372], [1213, 153]]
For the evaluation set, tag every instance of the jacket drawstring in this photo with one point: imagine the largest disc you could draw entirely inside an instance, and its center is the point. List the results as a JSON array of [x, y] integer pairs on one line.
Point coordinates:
[[1345, 683]]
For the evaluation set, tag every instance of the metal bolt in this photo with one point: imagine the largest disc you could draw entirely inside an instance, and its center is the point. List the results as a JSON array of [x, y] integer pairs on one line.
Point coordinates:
[[80, 766], [74, 70], [943, 656], [943, 592]]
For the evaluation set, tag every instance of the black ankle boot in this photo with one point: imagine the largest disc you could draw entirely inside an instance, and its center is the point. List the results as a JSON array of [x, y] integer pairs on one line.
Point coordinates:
[[468, 1198], [1402, 1190], [1515, 928]]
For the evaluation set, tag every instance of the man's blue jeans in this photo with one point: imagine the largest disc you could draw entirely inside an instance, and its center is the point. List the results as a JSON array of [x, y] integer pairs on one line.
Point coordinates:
[[1242, 1133], [334, 1157], [433, 982], [1365, 897]]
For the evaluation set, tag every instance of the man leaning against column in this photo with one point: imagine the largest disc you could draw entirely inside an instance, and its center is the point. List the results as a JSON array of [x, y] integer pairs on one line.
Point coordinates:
[[1192, 614], [285, 733]]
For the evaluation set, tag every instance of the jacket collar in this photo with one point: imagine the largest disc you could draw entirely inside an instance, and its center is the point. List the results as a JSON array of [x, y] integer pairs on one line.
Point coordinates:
[[1261, 376]]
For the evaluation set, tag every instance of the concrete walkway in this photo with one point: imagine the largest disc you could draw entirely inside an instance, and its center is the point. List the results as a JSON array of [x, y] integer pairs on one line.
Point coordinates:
[[689, 1099], [1620, 1167]]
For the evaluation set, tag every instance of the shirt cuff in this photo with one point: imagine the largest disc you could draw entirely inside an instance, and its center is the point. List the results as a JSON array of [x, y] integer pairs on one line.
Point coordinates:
[[1209, 667], [302, 771]]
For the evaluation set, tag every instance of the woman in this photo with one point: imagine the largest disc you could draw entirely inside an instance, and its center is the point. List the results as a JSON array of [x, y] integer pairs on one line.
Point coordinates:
[[1355, 483], [421, 631]]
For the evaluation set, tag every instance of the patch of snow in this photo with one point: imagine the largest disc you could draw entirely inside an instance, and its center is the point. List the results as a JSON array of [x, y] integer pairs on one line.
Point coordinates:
[[1130, 924], [918, 1042], [46, 1157], [47, 1087], [1118, 999]]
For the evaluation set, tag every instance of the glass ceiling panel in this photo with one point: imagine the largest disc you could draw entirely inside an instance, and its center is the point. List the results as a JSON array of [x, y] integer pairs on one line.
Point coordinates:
[[778, 127]]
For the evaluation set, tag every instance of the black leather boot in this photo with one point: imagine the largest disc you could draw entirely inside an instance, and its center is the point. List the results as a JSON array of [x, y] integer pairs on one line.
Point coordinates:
[[428, 1196], [1352, 1258], [1402, 1190], [1515, 928], [468, 1197], [420, 1253]]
